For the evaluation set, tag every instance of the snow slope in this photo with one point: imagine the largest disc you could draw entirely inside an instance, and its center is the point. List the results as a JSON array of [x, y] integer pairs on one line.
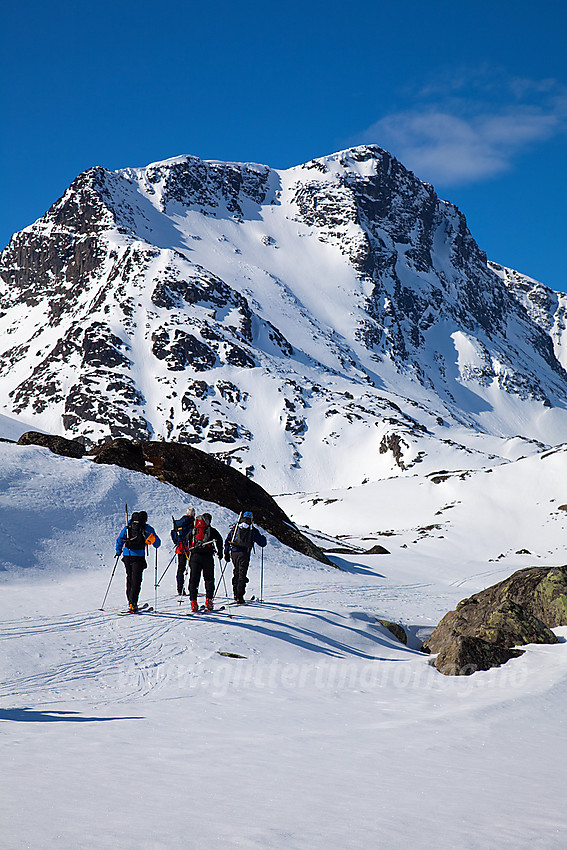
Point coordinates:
[[134, 732], [12, 428]]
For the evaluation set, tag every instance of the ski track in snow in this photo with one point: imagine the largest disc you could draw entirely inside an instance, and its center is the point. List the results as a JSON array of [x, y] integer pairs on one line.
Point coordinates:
[[96, 646]]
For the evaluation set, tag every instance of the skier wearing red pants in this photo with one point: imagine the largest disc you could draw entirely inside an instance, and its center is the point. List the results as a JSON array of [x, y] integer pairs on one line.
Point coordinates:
[[204, 540]]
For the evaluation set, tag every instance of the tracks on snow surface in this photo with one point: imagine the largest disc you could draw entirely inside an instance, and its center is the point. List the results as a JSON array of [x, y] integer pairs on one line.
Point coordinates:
[[114, 658]]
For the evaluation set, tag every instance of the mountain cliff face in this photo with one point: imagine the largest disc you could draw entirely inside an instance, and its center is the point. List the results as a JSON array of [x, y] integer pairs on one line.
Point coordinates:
[[548, 309], [328, 323]]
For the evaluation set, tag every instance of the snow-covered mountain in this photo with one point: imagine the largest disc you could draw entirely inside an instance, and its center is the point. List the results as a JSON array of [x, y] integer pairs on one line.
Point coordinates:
[[319, 326]]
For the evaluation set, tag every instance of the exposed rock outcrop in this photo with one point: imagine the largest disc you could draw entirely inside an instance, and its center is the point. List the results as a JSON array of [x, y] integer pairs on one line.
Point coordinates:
[[395, 629], [121, 452], [484, 629], [465, 655], [58, 445]]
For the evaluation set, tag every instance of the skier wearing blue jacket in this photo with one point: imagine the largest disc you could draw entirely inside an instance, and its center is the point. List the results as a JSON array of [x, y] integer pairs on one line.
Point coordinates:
[[132, 543]]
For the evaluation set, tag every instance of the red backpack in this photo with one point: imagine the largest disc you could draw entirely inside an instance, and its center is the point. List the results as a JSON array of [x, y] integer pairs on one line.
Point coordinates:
[[201, 531]]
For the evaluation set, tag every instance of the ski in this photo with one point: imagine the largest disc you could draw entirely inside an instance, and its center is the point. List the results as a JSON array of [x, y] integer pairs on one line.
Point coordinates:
[[246, 601], [143, 609], [205, 610]]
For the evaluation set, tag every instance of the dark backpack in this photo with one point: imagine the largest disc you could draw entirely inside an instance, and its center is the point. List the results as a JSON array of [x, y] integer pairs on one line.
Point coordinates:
[[201, 532], [135, 536], [243, 536]]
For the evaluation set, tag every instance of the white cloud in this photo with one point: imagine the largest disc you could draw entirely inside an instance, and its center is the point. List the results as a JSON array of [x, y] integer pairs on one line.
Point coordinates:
[[456, 140]]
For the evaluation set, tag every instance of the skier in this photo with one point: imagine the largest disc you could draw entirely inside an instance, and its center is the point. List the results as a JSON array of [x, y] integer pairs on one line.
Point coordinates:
[[238, 546], [201, 560], [133, 540], [181, 536]]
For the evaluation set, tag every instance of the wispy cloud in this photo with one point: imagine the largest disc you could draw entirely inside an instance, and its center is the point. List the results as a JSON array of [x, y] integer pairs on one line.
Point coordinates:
[[464, 130]]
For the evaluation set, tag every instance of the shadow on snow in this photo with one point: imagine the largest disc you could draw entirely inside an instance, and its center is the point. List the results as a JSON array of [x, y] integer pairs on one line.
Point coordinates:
[[29, 715], [309, 638], [354, 569]]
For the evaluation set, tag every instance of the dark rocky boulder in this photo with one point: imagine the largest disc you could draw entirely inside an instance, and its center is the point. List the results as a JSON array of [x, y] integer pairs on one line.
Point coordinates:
[[484, 628], [205, 477], [466, 654], [121, 452], [377, 550], [58, 445]]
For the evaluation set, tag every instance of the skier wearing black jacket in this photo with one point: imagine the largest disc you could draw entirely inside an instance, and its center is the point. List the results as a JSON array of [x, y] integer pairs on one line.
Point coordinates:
[[238, 546], [201, 561]]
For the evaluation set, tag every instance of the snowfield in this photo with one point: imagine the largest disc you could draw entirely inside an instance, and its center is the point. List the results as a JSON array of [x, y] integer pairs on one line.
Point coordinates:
[[131, 732]]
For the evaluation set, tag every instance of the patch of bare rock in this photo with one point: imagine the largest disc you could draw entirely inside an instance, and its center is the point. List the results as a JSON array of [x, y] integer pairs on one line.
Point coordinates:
[[485, 629]]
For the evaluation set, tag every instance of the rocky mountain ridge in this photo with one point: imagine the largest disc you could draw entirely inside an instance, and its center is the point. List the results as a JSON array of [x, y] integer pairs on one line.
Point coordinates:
[[328, 323]]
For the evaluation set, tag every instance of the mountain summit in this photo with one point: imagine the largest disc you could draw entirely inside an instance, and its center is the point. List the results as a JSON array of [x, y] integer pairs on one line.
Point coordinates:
[[335, 321]]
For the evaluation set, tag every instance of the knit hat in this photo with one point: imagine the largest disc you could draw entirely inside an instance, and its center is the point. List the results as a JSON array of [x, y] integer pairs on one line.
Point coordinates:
[[190, 512]]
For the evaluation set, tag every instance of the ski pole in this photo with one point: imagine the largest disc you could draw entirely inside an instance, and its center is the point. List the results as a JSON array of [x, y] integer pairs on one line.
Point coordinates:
[[155, 585], [187, 553], [262, 574], [109, 583], [166, 569], [225, 590], [222, 576]]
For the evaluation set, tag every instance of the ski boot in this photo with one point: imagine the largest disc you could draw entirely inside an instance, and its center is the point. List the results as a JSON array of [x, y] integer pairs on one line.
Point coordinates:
[[194, 606]]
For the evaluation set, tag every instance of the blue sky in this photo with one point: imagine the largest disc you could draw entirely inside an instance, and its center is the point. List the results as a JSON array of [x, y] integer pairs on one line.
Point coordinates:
[[471, 96]]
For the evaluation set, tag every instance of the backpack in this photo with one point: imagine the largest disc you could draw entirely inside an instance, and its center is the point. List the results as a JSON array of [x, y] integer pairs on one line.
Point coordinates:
[[180, 533], [242, 536], [201, 532], [135, 537]]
